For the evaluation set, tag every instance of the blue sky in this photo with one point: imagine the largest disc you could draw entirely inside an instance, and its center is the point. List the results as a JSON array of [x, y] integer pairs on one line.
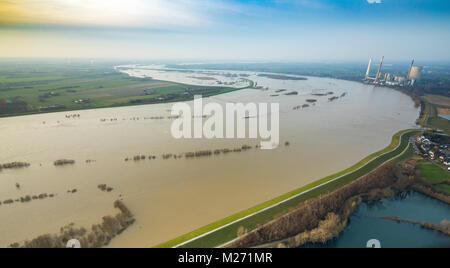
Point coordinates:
[[233, 30]]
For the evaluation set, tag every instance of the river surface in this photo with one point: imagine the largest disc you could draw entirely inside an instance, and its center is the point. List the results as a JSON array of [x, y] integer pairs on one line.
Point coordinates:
[[172, 197], [366, 224]]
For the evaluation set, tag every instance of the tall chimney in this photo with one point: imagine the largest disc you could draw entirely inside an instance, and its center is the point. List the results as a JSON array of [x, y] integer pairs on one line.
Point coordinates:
[[379, 69], [410, 68], [368, 68]]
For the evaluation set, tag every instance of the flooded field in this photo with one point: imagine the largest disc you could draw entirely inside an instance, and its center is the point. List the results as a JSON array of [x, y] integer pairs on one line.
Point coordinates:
[[174, 196]]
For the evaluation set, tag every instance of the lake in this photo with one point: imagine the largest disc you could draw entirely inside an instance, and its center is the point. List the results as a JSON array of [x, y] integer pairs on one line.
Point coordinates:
[[172, 197], [366, 224]]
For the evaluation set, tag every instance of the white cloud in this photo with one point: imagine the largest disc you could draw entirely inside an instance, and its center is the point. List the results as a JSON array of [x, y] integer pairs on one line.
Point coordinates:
[[374, 1]]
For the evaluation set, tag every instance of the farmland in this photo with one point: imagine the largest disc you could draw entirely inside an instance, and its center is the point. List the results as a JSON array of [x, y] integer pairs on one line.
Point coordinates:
[[47, 86]]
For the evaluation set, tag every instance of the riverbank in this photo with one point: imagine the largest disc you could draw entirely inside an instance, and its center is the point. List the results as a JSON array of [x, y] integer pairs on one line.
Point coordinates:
[[322, 219], [225, 230], [430, 107]]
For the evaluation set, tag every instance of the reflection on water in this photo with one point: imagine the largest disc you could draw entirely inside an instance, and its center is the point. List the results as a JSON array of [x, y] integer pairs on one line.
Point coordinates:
[[173, 197], [366, 224]]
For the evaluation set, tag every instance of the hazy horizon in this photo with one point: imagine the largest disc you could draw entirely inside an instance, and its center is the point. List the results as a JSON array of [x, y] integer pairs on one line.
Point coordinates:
[[209, 62], [226, 30]]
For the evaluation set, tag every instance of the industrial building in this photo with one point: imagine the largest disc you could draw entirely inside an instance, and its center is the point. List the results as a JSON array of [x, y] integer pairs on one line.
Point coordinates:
[[389, 79]]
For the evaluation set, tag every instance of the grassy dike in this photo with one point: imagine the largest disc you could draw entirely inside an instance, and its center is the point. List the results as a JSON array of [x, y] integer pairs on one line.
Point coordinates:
[[225, 230]]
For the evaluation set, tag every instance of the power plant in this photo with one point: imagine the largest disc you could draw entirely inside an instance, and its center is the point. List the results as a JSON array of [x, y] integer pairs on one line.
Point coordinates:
[[389, 79]]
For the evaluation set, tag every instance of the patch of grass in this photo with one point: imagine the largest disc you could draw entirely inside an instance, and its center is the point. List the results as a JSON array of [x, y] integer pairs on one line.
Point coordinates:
[[230, 232], [440, 123], [405, 156], [433, 173]]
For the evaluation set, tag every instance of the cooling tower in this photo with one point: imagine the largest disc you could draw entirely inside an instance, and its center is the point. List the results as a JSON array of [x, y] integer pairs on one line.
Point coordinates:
[[415, 72]]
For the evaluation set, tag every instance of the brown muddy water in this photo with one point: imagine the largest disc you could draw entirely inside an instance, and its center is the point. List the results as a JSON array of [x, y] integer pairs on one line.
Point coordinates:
[[172, 197]]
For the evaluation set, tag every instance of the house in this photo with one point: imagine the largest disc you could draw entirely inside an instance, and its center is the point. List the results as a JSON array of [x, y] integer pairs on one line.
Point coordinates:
[[431, 153]]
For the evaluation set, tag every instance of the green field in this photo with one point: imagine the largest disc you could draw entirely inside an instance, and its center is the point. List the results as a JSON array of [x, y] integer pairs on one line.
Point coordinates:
[[217, 238], [435, 175], [431, 118], [35, 87]]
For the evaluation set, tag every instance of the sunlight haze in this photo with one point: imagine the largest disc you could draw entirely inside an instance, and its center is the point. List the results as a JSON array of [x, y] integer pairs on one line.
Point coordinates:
[[286, 30]]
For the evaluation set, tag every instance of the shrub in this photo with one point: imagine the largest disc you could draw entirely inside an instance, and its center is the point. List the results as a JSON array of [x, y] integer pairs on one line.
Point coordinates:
[[63, 162]]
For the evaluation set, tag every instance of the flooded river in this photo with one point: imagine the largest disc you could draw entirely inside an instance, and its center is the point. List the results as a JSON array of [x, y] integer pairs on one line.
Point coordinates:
[[175, 196]]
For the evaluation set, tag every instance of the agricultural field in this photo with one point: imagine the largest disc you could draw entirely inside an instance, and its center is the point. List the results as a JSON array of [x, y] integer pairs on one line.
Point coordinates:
[[46, 86], [431, 117], [441, 101]]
